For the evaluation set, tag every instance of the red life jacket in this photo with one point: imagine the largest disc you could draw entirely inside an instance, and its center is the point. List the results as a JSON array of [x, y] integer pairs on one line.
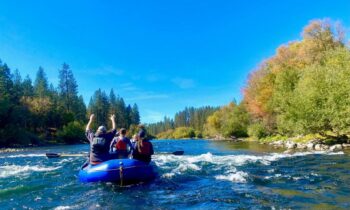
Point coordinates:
[[121, 145], [146, 148]]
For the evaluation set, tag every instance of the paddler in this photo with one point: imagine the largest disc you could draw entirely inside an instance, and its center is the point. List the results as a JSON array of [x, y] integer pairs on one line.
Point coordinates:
[[143, 149], [100, 141]]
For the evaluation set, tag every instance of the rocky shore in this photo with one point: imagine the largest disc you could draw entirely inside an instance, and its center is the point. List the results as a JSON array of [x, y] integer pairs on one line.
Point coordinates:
[[313, 145]]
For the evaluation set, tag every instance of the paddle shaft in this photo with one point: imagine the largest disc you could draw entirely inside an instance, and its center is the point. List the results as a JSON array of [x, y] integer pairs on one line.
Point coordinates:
[[73, 155], [57, 155]]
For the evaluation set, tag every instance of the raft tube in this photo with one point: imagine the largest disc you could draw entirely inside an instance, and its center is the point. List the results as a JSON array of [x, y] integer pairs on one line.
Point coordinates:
[[122, 171]]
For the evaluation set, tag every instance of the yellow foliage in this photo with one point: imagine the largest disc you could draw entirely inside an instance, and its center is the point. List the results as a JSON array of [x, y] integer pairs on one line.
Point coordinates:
[[38, 105]]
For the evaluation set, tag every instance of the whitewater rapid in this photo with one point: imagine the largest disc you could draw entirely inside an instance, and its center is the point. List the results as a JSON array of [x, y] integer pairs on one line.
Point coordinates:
[[223, 167]]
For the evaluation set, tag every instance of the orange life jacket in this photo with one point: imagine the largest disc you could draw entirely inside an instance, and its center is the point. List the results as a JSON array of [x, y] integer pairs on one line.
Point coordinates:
[[121, 145], [146, 148]]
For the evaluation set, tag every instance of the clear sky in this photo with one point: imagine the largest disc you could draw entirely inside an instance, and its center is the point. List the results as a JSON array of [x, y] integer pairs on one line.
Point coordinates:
[[162, 55]]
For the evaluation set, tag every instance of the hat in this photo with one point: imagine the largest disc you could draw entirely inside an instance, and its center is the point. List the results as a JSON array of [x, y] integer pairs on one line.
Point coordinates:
[[142, 133], [102, 129]]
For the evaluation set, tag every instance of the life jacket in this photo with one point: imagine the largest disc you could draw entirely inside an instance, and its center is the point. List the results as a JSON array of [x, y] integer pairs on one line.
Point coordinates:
[[99, 145], [121, 145], [146, 148]]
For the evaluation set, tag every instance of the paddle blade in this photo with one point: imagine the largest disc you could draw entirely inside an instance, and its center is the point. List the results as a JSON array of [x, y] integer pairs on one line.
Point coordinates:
[[52, 155], [178, 153]]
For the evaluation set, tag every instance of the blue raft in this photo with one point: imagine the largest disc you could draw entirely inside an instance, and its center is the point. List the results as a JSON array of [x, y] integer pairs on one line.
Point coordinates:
[[122, 171]]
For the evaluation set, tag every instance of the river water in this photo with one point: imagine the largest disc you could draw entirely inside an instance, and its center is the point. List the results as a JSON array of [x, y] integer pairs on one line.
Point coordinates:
[[210, 175]]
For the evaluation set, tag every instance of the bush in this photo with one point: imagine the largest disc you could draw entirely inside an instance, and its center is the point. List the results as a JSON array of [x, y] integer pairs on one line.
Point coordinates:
[[257, 130], [169, 134], [184, 132], [199, 134], [12, 136], [72, 133]]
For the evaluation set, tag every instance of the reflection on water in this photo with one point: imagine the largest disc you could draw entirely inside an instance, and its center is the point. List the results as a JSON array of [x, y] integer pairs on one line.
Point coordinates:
[[251, 146], [209, 175]]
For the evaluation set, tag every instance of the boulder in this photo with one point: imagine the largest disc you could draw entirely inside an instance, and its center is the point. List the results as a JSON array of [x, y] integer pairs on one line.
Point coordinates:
[[336, 147], [301, 146], [290, 145], [310, 146], [346, 145], [289, 151], [325, 147], [318, 147]]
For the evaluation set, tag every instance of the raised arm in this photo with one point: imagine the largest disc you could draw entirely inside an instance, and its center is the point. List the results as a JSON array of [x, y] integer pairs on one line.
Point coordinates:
[[112, 145], [113, 121], [89, 123]]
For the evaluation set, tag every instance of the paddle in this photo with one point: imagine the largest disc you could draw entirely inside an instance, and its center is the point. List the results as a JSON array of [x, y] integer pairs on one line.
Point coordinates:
[[180, 152], [56, 155]]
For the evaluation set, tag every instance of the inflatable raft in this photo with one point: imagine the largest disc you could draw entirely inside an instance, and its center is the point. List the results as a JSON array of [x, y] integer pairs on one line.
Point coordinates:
[[122, 171]]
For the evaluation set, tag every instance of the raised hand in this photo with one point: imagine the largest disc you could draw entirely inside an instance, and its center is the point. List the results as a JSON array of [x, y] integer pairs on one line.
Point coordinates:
[[113, 121]]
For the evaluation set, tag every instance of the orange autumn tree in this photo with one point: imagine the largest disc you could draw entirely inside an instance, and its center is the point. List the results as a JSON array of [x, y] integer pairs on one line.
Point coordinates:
[[270, 87]]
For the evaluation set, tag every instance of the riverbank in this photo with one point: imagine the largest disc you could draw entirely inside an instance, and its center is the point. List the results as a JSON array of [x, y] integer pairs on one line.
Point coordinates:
[[308, 142], [299, 143]]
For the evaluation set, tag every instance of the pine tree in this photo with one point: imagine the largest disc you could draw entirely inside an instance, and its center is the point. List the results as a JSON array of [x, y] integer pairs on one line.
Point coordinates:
[[68, 88], [128, 116], [27, 87], [120, 113], [81, 109], [99, 105], [41, 84], [6, 83], [135, 115], [113, 102]]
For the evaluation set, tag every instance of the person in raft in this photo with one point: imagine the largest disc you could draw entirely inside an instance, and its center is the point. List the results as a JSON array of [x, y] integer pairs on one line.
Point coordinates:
[[143, 149], [100, 141], [121, 146]]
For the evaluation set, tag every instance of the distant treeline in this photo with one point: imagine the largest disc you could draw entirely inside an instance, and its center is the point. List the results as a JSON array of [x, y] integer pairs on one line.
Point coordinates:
[[303, 89], [186, 124], [41, 113]]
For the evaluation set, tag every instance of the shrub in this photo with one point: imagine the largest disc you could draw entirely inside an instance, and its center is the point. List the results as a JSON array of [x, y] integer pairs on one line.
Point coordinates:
[[257, 130], [72, 133]]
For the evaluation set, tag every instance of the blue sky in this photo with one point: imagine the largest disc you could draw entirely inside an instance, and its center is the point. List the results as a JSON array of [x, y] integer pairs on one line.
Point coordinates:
[[162, 55]]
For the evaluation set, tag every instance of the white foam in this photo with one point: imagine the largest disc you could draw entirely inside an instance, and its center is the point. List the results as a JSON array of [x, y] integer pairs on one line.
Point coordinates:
[[62, 207], [23, 155], [186, 167], [177, 165], [239, 177], [66, 207], [168, 175], [12, 170], [66, 160], [236, 160]]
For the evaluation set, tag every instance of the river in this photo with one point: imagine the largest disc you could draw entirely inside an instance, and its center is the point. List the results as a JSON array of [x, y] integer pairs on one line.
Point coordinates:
[[210, 175]]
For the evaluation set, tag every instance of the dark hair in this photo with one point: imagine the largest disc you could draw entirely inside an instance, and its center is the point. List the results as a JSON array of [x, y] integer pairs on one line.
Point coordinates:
[[142, 133], [122, 131]]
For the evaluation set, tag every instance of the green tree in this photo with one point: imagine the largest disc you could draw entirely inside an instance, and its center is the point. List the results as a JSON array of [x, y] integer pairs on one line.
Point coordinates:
[[27, 87], [68, 88], [41, 83], [135, 115], [72, 133], [99, 105], [229, 121]]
